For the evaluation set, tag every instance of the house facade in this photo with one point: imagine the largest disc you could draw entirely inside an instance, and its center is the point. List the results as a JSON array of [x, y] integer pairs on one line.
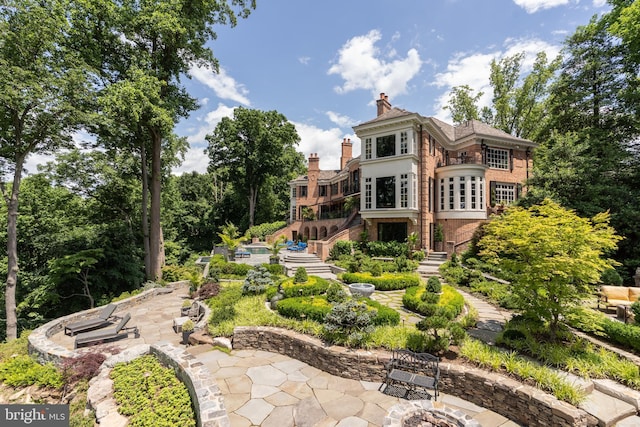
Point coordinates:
[[415, 174]]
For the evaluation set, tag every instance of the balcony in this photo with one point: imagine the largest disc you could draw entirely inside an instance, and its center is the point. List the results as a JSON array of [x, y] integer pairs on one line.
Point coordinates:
[[462, 160]]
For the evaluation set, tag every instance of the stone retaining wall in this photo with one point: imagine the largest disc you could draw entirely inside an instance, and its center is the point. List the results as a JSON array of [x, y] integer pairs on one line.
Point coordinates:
[[521, 403], [201, 385]]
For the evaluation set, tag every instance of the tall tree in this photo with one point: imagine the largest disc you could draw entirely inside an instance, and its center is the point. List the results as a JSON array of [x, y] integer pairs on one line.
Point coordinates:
[[517, 101], [552, 254], [41, 91], [157, 43], [251, 147]]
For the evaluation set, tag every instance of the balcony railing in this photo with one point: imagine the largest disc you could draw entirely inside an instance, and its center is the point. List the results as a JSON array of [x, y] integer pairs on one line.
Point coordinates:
[[462, 160]]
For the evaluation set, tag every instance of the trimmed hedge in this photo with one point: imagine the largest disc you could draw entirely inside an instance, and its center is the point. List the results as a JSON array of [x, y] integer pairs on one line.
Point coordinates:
[[451, 300], [622, 334], [313, 286], [317, 307], [384, 282]]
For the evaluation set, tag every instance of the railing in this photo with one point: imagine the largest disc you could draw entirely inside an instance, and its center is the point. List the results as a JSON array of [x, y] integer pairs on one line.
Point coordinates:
[[462, 160]]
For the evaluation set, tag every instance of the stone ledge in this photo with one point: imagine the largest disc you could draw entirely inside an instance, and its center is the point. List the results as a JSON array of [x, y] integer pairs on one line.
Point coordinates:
[[521, 403], [202, 387]]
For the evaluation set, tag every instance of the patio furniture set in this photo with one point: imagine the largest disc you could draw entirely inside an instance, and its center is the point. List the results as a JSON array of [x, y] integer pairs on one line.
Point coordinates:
[[104, 327]]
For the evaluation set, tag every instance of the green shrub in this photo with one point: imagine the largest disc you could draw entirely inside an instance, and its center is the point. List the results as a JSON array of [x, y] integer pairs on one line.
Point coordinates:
[[451, 301], [315, 308], [404, 265], [385, 249], [151, 395], [341, 248], [314, 285], [223, 305], [301, 275], [433, 285], [274, 269], [418, 256], [263, 230], [234, 269], [177, 273], [376, 270], [611, 277], [22, 371], [336, 293], [349, 323], [257, 281], [386, 282]]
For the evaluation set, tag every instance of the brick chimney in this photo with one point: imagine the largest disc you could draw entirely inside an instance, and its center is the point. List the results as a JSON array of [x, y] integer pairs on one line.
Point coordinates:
[[383, 104], [314, 163], [347, 152]]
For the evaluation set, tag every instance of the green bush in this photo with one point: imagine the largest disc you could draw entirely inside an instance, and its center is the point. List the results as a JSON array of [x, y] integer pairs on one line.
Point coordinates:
[[235, 269], [301, 275], [336, 293], [23, 371], [317, 307], [611, 277], [386, 282], [433, 285], [385, 249], [223, 305], [404, 265], [274, 269], [341, 248], [376, 270], [451, 301], [418, 256], [150, 394], [176, 273], [348, 323], [263, 230], [313, 286], [257, 281]]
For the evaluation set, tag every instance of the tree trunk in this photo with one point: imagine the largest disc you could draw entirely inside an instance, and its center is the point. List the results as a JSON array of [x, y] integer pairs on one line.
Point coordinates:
[[155, 237], [12, 251], [145, 211], [253, 196]]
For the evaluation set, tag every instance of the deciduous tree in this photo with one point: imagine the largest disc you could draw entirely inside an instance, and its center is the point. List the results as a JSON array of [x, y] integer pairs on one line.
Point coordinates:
[[553, 254]]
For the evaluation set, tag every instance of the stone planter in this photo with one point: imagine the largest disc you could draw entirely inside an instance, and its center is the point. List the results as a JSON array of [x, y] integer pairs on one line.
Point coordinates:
[[361, 289]]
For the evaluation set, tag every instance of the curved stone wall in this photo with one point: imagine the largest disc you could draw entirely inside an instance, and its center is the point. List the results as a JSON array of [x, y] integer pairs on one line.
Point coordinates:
[[203, 389], [521, 403]]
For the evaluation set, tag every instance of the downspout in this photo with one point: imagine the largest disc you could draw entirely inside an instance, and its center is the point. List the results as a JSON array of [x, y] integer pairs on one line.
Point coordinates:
[[420, 186]]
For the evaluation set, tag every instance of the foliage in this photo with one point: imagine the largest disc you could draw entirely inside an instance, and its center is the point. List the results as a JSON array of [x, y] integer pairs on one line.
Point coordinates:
[[342, 247], [418, 256], [555, 254], [542, 377], [257, 281], [433, 285], [188, 326], [451, 301], [386, 282], [23, 370], [209, 290], [438, 233], [83, 367], [348, 323], [378, 248], [610, 276], [150, 394], [223, 305], [336, 293], [177, 273], [314, 285], [230, 236], [576, 355], [301, 275], [261, 231], [17, 347], [274, 269], [253, 147]]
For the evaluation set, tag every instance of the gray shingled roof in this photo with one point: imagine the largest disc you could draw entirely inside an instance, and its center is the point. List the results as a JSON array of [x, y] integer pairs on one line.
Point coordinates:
[[391, 114], [478, 128]]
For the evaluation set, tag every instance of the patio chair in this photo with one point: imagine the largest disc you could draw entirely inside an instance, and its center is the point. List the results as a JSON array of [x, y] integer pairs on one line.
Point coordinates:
[[104, 318], [109, 333]]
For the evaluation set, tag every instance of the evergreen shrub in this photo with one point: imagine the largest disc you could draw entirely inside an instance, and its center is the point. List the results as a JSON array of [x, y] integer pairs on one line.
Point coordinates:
[[314, 285], [300, 276], [257, 280], [386, 282]]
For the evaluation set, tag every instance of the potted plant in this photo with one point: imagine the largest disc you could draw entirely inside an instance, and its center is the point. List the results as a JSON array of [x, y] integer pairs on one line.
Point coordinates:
[[186, 305], [187, 329], [275, 249], [231, 238], [438, 237]]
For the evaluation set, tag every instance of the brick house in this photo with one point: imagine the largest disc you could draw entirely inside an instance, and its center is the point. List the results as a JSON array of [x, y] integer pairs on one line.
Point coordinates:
[[415, 174]]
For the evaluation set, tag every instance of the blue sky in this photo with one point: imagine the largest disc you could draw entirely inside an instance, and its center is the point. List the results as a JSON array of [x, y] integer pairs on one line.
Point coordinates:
[[324, 63]]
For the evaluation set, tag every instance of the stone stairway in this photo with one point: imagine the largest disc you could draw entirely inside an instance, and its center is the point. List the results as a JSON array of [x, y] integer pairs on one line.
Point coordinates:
[[311, 263], [429, 266]]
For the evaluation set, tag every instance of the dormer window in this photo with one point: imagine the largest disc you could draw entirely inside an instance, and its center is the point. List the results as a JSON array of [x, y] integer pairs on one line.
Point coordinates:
[[386, 146]]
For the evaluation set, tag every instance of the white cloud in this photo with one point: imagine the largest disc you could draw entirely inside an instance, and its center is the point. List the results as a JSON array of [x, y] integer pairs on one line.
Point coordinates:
[[223, 85], [304, 60], [599, 3], [326, 142], [340, 120], [360, 65], [532, 6], [473, 69]]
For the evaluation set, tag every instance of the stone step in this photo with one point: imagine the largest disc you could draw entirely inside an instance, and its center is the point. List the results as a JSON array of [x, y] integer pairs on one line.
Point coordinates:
[[608, 410], [632, 421], [619, 391]]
